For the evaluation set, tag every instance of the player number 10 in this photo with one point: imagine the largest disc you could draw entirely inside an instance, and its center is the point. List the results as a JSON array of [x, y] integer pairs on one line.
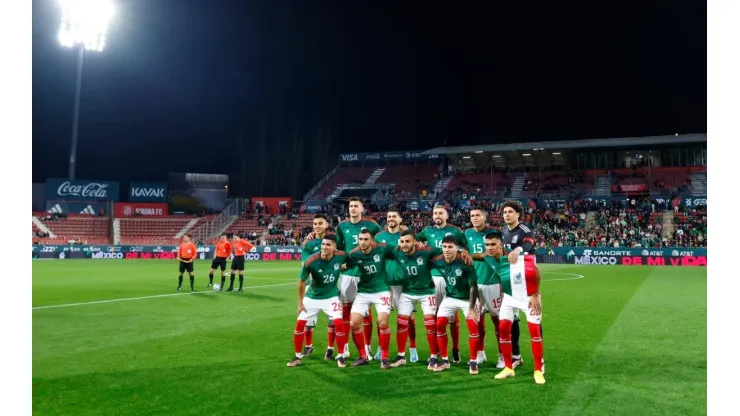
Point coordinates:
[[411, 270]]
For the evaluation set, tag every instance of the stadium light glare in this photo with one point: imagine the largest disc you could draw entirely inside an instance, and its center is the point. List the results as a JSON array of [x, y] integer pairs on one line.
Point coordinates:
[[556, 153], [85, 23], [496, 155], [478, 151], [466, 157], [526, 154]]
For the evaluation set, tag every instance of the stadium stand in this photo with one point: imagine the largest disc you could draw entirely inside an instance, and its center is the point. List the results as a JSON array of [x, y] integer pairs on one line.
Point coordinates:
[[81, 228]]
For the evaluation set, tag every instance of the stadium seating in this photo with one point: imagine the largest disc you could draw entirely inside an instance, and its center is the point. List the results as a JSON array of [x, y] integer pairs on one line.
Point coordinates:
[[348, 175], [148, 231], [469, 183], [84, 228], [409, 179]]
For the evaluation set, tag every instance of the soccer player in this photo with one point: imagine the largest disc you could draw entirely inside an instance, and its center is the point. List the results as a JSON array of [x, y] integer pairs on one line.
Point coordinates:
[[396, 276], [320, 230], [348, 234], [520, 282], [220, 256], [517, 239], [372, 289], [433, 237], [488, 284], [323, 269], [461, 294], [418, 288], [241, 248], [186, 254]]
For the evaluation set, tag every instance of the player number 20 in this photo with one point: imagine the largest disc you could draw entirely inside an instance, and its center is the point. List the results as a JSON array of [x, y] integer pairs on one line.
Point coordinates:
[[371, 269], [329, 278], [411, 270]]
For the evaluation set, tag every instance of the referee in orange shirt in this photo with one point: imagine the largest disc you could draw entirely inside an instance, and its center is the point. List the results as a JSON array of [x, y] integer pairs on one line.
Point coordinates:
[[186, 255]]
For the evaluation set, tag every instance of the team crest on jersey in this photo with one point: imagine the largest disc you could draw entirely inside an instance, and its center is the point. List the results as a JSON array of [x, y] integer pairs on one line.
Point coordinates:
[[419, 261], [336, 267], [458, 272], [376, 257], [514, 239], [518, 277]]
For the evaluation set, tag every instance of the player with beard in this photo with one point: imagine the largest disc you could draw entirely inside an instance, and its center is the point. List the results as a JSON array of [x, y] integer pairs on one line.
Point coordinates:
[[517, 239], [488, 284], [320, 230], [395, 274], [433, 236]]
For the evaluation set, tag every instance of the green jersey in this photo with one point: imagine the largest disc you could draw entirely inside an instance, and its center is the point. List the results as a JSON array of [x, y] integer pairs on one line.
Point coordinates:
[[392, 268], [477, 245], [371, 268], [348, 235], [433, 237], [323, 275], [310, 248], [495, 268], [458, 276], [416, 268]]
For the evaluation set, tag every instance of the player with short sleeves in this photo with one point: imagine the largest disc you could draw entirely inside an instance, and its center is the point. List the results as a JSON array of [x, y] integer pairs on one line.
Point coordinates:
[[241, 248], [186, 255], [323, 269], [220, 257]]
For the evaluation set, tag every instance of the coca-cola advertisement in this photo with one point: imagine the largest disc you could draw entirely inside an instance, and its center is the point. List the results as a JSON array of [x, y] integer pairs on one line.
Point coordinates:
[[139, 209], [81, 190]]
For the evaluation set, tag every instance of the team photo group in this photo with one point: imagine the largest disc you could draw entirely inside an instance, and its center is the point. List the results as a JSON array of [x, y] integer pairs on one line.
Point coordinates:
[[442, 270]]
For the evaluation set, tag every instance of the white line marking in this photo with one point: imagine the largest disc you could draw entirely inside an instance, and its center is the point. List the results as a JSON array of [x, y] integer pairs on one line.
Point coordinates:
[[147, 297], [576, 276]]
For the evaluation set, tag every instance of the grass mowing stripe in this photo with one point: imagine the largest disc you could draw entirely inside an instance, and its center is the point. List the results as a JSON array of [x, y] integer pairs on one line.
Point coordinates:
[[652, 360], [145, 297]]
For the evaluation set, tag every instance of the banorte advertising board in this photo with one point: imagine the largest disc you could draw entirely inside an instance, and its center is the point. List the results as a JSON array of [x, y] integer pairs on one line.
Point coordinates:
[[272, 202], [139, 209]]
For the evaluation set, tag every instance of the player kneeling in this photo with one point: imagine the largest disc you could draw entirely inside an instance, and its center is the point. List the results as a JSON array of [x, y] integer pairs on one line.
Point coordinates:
[[323, 269]]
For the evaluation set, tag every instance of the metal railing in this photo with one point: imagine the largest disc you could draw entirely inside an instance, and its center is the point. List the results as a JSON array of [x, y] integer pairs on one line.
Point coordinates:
[[211, 228]]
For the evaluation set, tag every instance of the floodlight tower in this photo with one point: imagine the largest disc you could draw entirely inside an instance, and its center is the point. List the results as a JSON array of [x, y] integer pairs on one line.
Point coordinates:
[[83, 26]]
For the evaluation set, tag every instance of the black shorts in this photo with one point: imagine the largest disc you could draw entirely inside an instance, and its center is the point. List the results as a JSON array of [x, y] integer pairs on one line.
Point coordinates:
[[219, 262], [237, 263], [186, 267]]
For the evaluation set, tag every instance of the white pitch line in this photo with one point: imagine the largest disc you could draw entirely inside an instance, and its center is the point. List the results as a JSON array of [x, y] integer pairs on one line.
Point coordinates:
[[146, 297], [577, 276]]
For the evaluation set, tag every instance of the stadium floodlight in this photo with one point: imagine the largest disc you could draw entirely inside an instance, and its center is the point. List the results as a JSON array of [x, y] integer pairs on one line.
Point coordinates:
[[85, 23], [83, 26]]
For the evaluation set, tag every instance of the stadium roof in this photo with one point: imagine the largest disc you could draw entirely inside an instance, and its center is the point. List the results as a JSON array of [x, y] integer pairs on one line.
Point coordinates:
[[572, 144]]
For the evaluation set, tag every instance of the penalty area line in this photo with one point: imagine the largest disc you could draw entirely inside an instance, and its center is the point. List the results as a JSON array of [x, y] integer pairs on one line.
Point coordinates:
[[95, 302], [576, 276]]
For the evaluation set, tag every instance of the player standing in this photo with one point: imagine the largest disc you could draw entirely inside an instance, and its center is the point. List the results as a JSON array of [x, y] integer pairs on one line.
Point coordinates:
[[520, 283], [241, 248], [372, 289], [461, 294], [323, 269], [186, 254], [395, 273], [311, 247], [517, 239], [220, 256], [433, 237], [488, 284], [348, 233]]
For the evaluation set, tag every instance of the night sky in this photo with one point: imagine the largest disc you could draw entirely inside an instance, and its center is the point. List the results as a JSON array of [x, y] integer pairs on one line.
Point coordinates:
[[181, 82]]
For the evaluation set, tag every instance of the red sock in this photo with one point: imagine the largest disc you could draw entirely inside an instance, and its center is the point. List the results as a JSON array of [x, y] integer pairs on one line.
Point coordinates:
[[309, 335], [455, 333], [346, 311], [367, 325], [341, 332], [359, 338], [300, 327], [442, 336], [496, 325], [412, 332], [482, 333], [534, 332], [331, 335], [384, 339], [473, 339], [505, 341], [402, 332], [431, 328]]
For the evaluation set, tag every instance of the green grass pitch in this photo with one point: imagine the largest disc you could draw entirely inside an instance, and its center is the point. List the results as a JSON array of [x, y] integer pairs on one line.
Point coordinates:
[[619, 341]]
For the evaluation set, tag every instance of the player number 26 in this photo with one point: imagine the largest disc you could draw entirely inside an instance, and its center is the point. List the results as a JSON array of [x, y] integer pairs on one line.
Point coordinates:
[[329, 278]]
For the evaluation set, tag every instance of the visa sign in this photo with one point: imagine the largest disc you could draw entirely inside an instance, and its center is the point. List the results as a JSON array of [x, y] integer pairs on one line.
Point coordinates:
[[81, 190], [147, 192], [349, 158]]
